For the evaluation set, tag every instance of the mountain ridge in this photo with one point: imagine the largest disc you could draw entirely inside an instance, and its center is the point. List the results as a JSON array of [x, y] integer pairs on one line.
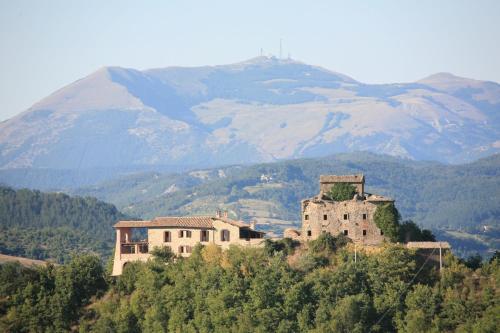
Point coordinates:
[[259, 110]]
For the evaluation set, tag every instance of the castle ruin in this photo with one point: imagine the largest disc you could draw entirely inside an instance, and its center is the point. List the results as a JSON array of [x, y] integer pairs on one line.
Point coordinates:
[[353, 218]]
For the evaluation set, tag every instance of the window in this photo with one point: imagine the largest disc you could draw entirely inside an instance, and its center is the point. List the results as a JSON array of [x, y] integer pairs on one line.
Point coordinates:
[[185, 249], [346, 216], [381, 232], [364, 216], [309, 233], [306, 217], [224, 235], [364, 232], [184, 233], [204, 236], [325, 217], [346, 232], [167, 237]]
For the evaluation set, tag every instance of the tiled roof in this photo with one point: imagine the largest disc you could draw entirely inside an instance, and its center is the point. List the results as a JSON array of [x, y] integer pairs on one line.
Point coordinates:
[[183, 222], [342, 179], [180, 222], [428, 245]]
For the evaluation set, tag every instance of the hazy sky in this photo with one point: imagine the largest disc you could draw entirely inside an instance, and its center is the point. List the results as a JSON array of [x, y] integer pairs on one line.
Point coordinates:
[[48, 44]]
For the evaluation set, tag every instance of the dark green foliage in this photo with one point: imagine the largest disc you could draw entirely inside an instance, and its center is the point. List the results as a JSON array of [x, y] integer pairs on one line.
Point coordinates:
[[495, 256], [53, 225], [474, 262], [328, 243], [387, 218], [285, 246], [254, 290], [341, 192], [49, 299], [409, 231], [162, 254]]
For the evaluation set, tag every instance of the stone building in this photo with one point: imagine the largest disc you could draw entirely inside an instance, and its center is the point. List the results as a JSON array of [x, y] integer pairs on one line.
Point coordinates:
[[353, 218], [180, 234]]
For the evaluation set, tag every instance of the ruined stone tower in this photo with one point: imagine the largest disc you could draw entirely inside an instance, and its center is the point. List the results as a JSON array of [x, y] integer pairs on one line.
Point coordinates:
[[353, 218]]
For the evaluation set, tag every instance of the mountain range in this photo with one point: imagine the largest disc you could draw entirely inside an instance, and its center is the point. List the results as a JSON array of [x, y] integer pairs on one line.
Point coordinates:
[[260, 110]]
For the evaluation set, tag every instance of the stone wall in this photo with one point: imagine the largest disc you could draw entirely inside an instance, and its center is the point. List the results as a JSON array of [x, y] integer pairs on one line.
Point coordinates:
[[353, 218]]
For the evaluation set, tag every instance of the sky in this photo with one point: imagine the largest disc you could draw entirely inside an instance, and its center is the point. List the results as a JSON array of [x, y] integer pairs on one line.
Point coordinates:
[[45, 45]]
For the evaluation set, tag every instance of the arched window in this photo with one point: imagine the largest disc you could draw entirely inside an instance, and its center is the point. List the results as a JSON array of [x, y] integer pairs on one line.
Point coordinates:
[[224, 235]]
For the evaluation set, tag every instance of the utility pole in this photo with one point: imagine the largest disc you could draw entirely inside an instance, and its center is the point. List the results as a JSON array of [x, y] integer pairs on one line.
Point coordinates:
[[355, 254], [440, 259]]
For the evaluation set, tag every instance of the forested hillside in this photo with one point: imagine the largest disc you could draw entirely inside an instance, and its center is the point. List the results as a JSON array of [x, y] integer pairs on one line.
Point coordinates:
[[460, 202], [54, 225], [278, 288]]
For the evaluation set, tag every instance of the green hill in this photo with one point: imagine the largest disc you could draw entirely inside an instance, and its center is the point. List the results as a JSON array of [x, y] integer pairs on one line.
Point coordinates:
[[442, 197], [54, 225]]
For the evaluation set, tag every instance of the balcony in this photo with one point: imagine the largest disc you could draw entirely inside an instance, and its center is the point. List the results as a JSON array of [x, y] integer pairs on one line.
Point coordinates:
[[130, 250]]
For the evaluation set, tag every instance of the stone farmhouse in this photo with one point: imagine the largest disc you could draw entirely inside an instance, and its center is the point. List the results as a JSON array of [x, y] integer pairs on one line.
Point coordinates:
[[180, 234], [353, 218]]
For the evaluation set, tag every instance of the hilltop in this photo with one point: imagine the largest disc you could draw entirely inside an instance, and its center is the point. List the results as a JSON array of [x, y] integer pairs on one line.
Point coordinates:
[[459, 202]]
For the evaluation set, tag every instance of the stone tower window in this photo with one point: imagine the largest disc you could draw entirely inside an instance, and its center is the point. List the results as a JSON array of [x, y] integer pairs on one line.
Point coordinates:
[[346, 232], [364, 232], [306, 217], [346, 216], [325, 217], [364, 216], [309, 233]]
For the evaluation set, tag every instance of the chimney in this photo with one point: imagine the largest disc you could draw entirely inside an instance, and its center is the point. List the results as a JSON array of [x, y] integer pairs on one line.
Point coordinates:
[[218, 213], [252, 224], [225, 213]]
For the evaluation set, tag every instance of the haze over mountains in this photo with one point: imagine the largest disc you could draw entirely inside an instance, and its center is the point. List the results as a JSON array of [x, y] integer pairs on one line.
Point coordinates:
[[260, 110]]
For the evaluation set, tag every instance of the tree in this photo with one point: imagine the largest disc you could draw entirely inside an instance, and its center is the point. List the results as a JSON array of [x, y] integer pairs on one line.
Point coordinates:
[[421, 307], [341, 192], [409, 231], [162, 254], [387, 218]]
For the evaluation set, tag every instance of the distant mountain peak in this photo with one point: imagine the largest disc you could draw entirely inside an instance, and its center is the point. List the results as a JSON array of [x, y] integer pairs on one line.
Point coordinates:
[[260, 109]]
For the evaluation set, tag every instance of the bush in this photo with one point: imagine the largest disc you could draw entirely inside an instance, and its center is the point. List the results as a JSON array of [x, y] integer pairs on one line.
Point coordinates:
[[328, 243], [341, 192]]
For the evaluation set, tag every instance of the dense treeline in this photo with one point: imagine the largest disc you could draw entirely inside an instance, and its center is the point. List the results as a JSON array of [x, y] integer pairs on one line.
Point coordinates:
[[282, 287], [52, 225], [278, 288], [320, 289], [48, 299]]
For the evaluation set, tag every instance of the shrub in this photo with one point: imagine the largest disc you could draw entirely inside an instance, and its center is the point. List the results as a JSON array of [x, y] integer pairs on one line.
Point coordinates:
[[341, 192], [387, 218]]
